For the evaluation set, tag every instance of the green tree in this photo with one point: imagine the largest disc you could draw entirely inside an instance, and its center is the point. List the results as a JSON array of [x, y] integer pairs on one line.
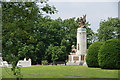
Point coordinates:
[[29, 34], [92, 54], [109, 29], [109, 54], [19, 25], [90, 36], [54, 53]]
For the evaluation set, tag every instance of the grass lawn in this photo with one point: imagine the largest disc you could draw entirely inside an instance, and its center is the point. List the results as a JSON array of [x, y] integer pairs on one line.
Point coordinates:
[[61, 71]]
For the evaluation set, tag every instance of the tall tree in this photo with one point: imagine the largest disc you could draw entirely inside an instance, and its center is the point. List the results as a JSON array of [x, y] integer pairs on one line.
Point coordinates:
[[19, 25], [26, 33], [109, 29]]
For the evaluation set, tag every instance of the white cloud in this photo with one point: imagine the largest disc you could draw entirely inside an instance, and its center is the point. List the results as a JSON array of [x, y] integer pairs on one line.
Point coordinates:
[[84, 0]]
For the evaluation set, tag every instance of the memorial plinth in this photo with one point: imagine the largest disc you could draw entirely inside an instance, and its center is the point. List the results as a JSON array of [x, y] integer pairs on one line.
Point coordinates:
[[77, 57]]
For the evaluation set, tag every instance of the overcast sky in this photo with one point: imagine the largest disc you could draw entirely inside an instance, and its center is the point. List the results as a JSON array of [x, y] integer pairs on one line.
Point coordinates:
[[83, 0], [96, 10]]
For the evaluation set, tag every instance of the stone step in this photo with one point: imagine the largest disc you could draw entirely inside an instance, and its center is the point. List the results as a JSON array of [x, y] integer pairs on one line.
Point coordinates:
[[71, 63]]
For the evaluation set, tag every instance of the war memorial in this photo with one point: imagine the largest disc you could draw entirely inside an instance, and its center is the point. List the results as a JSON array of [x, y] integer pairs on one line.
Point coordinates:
[[78, 56]]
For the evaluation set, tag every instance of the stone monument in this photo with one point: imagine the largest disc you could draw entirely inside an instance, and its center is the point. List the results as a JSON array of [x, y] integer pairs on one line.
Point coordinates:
[[21, 63], [24, 63], [78, 56]]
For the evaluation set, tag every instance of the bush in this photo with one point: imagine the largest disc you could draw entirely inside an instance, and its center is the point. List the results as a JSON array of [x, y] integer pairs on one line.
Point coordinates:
[[92, 54], [44, 62], [109, 54]]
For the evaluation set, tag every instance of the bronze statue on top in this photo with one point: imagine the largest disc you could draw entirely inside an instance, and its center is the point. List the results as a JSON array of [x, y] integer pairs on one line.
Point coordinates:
[[82, 22]]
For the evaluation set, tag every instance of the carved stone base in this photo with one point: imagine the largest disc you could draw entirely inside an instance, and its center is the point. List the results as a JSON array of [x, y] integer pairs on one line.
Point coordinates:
[[76, 60]]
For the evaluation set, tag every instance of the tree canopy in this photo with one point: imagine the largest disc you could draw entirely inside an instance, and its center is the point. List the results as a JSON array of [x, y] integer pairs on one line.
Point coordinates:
[[109, 54], [92, 54], [27, 33], [109, 29], [20, 21]]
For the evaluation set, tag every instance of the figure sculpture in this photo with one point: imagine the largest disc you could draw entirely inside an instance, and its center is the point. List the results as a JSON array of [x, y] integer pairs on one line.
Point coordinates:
[[82, 22]]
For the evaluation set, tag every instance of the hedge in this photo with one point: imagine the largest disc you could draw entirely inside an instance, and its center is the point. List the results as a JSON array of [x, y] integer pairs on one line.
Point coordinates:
[[92, 54], [109, 54]]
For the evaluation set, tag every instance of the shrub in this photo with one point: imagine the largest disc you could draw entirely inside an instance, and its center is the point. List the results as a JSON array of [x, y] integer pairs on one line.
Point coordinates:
[[92, 54], [44, 62], [109, 54]]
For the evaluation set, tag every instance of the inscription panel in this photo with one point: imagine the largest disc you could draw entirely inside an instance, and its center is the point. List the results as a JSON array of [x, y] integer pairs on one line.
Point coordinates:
[[75, 58]]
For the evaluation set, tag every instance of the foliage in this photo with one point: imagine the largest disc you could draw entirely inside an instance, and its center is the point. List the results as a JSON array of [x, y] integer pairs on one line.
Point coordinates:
[[90, 36], [109, 29], [44, 62], [92, 54], [54, 53], [109, 54], [17, 73], [26, 33], [59, 32], [19, 25]]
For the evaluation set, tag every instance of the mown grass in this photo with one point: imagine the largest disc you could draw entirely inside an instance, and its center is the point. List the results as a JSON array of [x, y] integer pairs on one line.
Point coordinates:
[[61, 71]]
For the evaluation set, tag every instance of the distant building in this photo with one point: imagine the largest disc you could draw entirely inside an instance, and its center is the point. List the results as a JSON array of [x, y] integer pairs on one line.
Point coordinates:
[[119, 9]]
